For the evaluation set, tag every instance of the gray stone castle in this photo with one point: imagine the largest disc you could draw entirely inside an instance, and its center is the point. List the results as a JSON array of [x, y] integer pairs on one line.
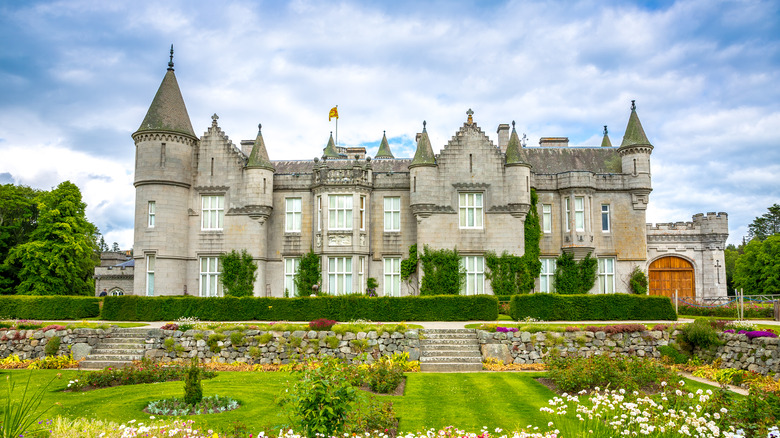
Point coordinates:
[[199, 197]]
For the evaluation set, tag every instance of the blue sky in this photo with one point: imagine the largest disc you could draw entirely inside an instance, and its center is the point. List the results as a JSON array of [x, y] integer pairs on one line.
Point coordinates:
[[76, 79]]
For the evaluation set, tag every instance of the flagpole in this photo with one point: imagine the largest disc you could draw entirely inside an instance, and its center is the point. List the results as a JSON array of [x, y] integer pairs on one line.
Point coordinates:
[[337, 125]]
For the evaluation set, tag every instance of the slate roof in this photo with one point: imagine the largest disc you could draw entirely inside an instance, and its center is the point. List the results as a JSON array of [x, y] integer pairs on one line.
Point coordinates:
[[167, 111], [307, 166], [551, 160], [259, 155], [384, 148]]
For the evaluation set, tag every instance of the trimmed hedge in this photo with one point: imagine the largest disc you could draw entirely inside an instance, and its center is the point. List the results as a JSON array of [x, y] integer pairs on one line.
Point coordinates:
[[730, 311], [346, 308], [48, 307], [555, 307]]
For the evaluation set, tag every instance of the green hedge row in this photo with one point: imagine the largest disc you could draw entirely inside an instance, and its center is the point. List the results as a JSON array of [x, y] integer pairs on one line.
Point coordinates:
[[555, 307], [348, 308], [751, 311], [48, 307]]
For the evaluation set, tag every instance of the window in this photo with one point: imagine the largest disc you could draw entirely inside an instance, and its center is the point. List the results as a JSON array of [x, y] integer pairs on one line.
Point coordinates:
[[475, 275], [362, 212], [361, 272], [546, 275], [340, 212], [392, 214], [292, 222], [291, 265], [319, 213], [339, 275], [152, 208], [605, 218], [210, 285], [470, 209], [393, 277], [607, 275], [150, 261], [116, 292], [547, 218], [579, 213], [213, 212], [568, 214]]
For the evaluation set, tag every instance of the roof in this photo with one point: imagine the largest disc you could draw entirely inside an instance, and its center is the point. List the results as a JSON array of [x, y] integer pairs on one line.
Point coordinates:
[[424, 155], [635, 134], [167, 111], [514, 151], [330, 150], [384, 149], [307, 166], [259, 155], [551, 160]]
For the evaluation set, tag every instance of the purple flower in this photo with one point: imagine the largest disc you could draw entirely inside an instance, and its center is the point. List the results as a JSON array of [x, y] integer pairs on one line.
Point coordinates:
[[760, 334], [728, 331], [506, 329]]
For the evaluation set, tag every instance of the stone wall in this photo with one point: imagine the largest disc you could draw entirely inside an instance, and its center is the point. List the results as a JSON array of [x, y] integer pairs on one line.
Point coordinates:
[[30, 344]]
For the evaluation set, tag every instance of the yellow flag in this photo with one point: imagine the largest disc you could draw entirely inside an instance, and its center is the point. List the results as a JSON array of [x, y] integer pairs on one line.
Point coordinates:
[[334, 112]]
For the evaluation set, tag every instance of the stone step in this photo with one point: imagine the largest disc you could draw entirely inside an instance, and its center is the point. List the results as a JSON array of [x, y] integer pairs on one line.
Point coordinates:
[[451, 347], [466, 342], [114, 357], [451, 353], [436, 331], [121, 344], [101, 364], [117, 351], [452, 359], [444, 367], [449, 336]]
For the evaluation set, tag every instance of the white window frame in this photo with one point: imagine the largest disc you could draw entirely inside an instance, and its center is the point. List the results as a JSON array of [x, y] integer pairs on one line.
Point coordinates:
[[392, 213], [212, 212], [547, 218], [340, 212], [606, 219], [392, 270], [475, 275], [319, 213], [209, 285], [579, 213], [152, 207], [340, 275], [361, 273], [470, 210], [291, 266], [116, 292], [150, 266], [362, 213], [606, 275], [568, 214], [546, 275], [292, 217]]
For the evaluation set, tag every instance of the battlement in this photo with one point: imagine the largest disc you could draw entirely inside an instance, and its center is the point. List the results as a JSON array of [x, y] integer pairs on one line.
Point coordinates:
[[710, 223]]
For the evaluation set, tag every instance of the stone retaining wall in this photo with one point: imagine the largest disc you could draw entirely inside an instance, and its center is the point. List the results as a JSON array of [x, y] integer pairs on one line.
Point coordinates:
[[30, 344]]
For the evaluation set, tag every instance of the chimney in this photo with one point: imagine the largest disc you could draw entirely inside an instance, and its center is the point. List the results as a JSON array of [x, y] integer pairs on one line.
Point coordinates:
[[503, 136], [559, 142], [246, 147]]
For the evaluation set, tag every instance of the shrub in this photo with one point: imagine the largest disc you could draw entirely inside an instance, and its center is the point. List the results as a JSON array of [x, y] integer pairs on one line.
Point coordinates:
[[699, 334], [308, 275], [332, 342], [384, 375], [169, 343], [193, 390], [638, 281], [49, 307], [673, 354], [629, 373], [237, 339], [359, 345], [213, 342], [555, 307], [169, 326], [264, 338], [55, 327], [322, 324], [617, 328], [369, 415], [145, 371], [52, 346], [574, 277]]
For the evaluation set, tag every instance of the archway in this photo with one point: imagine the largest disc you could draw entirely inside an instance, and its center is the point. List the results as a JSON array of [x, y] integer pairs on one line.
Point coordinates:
[[671, 273]]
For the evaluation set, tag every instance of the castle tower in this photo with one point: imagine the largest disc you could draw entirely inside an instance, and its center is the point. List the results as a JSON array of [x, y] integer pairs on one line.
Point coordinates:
[[605, 142], [259, 185], [635, 153], [423, 172], [518, 170], [163, 175], [384, 148]]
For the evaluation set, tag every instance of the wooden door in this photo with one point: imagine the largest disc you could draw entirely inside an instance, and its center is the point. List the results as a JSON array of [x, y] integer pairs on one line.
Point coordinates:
[[671, 273]]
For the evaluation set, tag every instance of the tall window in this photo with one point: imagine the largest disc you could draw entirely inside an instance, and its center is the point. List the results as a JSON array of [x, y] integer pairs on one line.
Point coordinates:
[[361, 272], [362, 212], [340, 212], [605, 218], [475, 275], [150, 261], [209, 277], [547, 218], [393, 277], [339, 275], [319, 213], [607, 275], [568, 214], [546, 275], [579, 213], [291, 265], [470, 210], [152, 208], [293, 215], [392, 214], [212, 212]]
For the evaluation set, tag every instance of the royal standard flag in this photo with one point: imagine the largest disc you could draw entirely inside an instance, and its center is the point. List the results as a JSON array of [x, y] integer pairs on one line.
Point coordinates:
[[334, 112]]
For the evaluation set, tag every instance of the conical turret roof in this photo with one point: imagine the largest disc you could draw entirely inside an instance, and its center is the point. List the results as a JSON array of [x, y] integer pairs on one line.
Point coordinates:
[[424, 155], [514, 150], [259, 156], [634, 135], [605, 142], [384, 148], [330, 150], [167, 111]]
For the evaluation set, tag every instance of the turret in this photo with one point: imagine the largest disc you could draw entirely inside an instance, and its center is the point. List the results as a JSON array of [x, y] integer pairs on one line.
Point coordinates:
[[605, 142], [635, 153], [260, 176], [384, 148], [423, 172], [518, 170], [330, 149]]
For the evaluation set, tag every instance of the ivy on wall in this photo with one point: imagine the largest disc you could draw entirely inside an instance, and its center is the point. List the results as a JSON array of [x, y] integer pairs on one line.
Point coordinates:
[[638, 281], [409, 269], [442, 270], [238, 273], [308, 275], [574, 277]]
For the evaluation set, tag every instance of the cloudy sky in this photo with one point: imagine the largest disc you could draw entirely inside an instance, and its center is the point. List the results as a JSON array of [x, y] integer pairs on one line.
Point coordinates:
[[77, 76]]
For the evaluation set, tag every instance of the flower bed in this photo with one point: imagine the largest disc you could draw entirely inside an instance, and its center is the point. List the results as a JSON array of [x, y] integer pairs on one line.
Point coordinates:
[[145, 371]]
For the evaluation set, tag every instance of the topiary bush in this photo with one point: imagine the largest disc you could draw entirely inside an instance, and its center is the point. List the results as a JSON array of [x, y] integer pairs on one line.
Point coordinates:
[[555, 307], [193, 390], [49, 307]]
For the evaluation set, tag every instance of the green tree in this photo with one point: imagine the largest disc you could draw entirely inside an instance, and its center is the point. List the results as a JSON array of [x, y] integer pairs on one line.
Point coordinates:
[[731, 254], [238, 273], [442, 272], [308, 275], [18, 218], [757, 271], [575, 277], [102, 245], [60, 256], [765, 225]]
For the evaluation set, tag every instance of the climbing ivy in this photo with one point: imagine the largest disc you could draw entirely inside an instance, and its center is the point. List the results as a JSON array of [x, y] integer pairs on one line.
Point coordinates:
[[409, 268], [238, 273], [573, 277], [638, 281], [308, 275], [442, 270]]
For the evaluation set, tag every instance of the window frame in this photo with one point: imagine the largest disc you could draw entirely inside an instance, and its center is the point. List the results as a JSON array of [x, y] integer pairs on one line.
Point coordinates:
[[568, 213], [547, 275], [362, 213], [392, 277], [319, 212], [547, 218], [289, 277], [218, 212], [606, 278], [209, 275], [151, 264], [606, 216], [470, 210], [475, 277], [579, 214], [393, 212], [334, 209], [293, 218], [340, 281], [151, 213]]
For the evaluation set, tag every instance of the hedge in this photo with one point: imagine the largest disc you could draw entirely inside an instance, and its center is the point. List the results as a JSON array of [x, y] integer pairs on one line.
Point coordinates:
[[730, 311], [48, 307], [346, 308], [555, 307]]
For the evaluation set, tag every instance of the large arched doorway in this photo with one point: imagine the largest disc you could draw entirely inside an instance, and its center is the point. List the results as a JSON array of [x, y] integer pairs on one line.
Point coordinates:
[[671, 273]]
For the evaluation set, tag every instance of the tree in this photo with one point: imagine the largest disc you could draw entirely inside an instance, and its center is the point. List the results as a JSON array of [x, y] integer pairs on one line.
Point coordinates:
[[102, 245], [115, 247], [238, 273], [18, 219], [573, 277], [766, 225], [308, 275], [60, 256], [757, 271], [731, 254]]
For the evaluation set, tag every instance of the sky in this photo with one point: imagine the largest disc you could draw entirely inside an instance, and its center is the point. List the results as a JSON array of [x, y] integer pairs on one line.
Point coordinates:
[[77, 77]]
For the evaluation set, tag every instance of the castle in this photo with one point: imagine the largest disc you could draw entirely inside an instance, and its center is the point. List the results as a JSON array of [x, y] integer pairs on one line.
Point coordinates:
[[199, 197]]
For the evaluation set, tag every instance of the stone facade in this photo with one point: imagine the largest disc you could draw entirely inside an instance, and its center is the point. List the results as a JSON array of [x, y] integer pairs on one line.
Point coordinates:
[[115, 274], [199, 197]]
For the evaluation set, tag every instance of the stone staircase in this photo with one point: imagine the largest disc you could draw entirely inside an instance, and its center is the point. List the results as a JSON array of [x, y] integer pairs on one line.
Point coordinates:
[[123, 347], [449, 350]]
